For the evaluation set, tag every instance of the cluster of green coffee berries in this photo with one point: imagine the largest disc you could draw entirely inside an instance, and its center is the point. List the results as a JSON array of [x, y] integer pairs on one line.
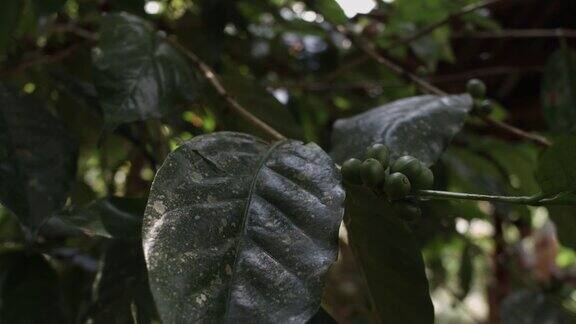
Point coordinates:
[[396, 180], [477, 90]]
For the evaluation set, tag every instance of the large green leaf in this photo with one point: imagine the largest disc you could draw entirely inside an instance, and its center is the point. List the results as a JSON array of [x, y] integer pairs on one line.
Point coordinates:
[[137, 73], [37, 159], [29, 290], [419, 126], [112, 217], [390, 258], [556, 172], [237, 230], [559, 90]]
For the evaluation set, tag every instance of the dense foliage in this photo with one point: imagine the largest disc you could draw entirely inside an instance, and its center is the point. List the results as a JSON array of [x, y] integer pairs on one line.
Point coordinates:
[[221, 161]]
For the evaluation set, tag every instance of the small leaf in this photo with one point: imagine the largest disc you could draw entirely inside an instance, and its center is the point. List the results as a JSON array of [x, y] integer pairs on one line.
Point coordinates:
[[559, 90], [237, 230], [563, 218], [37, 159], [331, 10], [113, 217], [556, 172], [390, 258], [137, 73], [420, 126]]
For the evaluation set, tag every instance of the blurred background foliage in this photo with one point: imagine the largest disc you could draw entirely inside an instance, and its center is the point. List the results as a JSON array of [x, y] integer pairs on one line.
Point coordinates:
[[487, 263]]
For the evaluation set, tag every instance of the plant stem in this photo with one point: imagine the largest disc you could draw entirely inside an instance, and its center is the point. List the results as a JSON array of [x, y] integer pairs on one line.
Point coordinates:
[[536, 200], [215, 82]]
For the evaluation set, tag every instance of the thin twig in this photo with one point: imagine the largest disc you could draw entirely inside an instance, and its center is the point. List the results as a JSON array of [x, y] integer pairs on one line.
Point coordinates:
[[517, 132], [518, 33], [407, 40], [215, 82], [431, 28], [536, 200], [371, 51], [425, 86]]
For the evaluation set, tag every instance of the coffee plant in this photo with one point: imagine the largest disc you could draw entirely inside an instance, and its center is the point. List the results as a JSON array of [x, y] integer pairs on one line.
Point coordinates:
[[217, 161]]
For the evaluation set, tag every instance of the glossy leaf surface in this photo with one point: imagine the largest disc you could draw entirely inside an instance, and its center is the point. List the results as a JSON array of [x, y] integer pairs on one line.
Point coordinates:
[[420, 126], [237, 230]]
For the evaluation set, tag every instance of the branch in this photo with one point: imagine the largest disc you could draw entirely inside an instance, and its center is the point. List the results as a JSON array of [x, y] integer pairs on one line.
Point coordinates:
[[214, 81], [372, 52], [517, 132], [404, 41], [519, 33], [430, 28], [536, 200]]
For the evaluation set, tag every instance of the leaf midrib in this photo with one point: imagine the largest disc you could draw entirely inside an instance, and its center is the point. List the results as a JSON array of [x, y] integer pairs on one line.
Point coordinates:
[[245, 216]]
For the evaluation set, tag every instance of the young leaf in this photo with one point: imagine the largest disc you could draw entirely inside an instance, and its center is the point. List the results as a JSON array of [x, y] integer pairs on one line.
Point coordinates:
[[419, 126], [237, 230], [138, 75], [559, 90], [37, 159], [113, 217], [390, 258], [556, 172]]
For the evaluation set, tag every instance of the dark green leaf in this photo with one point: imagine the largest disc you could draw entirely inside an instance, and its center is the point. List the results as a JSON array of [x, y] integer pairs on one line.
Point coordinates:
[[556, 172], [29, 290], [565, 220], [37, 159], [9, 17], [390, 258], [331, 10], [122, 294], [47, 7], [113, 217], [559, 90], [419, 126], [137, 73], [237, 230]]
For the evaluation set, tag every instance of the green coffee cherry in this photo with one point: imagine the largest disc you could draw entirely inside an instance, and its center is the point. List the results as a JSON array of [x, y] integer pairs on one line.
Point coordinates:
[[372, 172], [397, 186], [483, 107], [379, 152], [407, 211], [424, 180], [476, 89], [351, 171], [408, 165]]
